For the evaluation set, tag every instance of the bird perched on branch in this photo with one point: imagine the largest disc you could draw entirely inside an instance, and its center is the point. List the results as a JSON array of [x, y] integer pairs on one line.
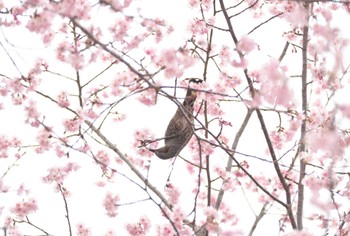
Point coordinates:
[[179, 130]]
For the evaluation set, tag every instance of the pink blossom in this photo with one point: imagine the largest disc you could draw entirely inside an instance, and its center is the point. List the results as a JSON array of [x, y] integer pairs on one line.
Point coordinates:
[[246, 44], [24, 208], [142, 137], [120, 29], [110, 204], [175, 62], [178, 216], [116, 5], [212, 223], [58, 174], [241, 63], [140, 228], [227, 215], [41, 22], [207, 148], [7, 143], [300, 233], [67, 53], [62, 99], [214, 110], [72, 125], [198, 26], [165, 230], [59, 151], [194, 3], [16, 86], [17, 10], [325, 12], [148, 97], [48, 37], [297, 15], [345, 109], [101, 184], [115, 86], [231, 233], [172, 193], [225, 55], [325, 31], [85, 148], [4, 88], [3, 187], [171, 64], [274, 84], [82, 230], [110, 233], [102, 156], [43, 139], [90, 114], [22, 190], [73, 9], [326, 140], [18, 98], [32, 114]]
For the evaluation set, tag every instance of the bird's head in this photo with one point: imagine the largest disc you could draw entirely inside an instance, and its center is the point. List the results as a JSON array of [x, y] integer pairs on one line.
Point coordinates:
[[191, 93]]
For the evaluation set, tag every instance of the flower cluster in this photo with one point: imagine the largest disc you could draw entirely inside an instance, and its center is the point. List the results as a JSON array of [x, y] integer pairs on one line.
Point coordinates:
[[110, 204]]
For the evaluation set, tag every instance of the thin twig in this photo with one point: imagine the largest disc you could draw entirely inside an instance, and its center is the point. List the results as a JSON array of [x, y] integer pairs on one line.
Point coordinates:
[[66, 208]]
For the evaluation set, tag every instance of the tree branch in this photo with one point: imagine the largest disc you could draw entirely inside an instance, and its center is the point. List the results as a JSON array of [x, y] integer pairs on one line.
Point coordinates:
[[66, 208], [230, 160], [302, 146], [126, 160], [288, 204], [258, 218]]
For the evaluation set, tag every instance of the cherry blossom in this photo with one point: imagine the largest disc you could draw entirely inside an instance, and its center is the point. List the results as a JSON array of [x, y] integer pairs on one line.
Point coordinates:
[[63, 100], [271, 135], [140, 228], [148, 97], [3, 187], [297, 15], [82, 230], [246, 44], [72, 125], [59, 174], [110, 204], [173, 193], [25, 208]]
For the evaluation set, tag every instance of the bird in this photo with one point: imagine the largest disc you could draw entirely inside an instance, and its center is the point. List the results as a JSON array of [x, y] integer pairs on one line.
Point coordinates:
[[179, 130]]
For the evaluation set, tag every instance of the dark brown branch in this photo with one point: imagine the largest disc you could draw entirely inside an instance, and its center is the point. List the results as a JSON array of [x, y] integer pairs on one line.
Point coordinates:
[[284, 51], [302, 146], [264, 22]]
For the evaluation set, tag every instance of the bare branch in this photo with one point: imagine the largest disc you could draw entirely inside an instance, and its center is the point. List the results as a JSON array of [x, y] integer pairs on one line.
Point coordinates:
[[258, 218], [302, 145], [66, 208], [127, 161], [264, 22]]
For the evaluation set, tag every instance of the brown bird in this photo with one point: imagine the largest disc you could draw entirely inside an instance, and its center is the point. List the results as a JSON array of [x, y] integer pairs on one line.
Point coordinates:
[[179, 130]]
